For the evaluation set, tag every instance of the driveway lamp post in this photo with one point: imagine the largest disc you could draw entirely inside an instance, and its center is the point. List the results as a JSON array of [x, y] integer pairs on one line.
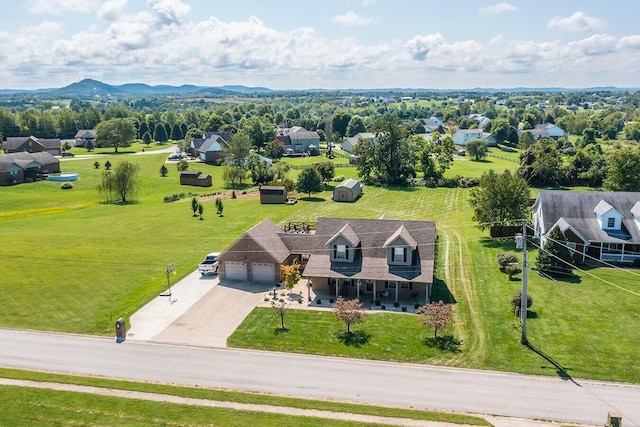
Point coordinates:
[[171, 268]]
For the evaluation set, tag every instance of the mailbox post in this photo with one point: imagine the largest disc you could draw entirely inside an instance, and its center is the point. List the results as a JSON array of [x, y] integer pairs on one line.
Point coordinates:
[[121, 330]]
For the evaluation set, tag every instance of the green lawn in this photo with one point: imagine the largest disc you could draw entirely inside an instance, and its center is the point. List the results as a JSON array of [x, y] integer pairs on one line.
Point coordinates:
[[73, 264]]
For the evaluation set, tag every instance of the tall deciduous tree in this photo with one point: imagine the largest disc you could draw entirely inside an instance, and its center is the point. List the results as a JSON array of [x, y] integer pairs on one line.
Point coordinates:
[[309, 181], [339, 123], [121, 184], [541, 164], [477, 148], [556, 258], [238, 149], [233, 174], [437, 315], [355, 126], [326, 169], [623, 170], [291, 275], [348, 311], [500, 199], [115, 133]]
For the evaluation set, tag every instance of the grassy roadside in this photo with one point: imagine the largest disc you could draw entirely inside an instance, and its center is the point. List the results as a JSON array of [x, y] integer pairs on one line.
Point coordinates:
[[225, 396]]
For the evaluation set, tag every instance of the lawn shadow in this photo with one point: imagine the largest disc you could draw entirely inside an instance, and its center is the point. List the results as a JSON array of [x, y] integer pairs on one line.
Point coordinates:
[[506, 244], [280, 331], [445, 343], [562, 278], [532, 314], [561, 370], [440, 292], [354, 338], [313, 199]]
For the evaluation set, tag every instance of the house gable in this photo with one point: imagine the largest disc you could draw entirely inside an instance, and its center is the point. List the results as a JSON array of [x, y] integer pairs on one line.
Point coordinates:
[[342, 246]]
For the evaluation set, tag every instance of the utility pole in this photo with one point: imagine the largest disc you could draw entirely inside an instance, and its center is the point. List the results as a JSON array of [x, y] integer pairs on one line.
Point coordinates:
[[523, 300]]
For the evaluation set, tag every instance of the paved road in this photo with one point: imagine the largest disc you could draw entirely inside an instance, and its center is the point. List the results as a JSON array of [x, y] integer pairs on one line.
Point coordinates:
[[326, 378]]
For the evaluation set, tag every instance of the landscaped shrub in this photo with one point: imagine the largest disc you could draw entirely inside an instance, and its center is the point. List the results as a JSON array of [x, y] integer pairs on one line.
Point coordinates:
[[512, 270], [466, 182], [506, 258], [396, 304], [383, 307], [404, 309], [516, 302], [331, 301], [377, 302], [299, 300], [66, 186], [318, 301], [416, 305]]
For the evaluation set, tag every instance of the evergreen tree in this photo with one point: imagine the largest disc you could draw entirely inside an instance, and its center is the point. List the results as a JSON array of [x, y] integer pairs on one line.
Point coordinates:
[[176, 133], [146, 138], [556, 258], [160, 133]]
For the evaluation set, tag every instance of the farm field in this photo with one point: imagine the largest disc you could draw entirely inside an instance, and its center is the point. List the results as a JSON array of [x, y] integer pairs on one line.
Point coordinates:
[[73, 264]]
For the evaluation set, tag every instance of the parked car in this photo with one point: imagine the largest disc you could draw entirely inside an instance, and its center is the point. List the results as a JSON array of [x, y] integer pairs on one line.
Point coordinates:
[[291, 201], [67, 154], [210, 264], [175, 156]]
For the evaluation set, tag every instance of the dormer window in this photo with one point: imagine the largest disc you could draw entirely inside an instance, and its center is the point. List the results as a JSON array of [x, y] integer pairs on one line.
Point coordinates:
[[399, 255], [611, 223], [341, 252]]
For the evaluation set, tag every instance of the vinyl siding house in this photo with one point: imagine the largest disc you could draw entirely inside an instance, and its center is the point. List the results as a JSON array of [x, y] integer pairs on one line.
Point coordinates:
[[354, 258], [462, 136], [603, 226], [350, 143], [298, 139], [84, 137], [542, 131], [213, 142], [31, 144]]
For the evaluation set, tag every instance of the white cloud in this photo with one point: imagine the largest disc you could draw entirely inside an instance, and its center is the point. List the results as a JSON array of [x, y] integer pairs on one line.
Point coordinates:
[[629, 42], [497, 9], [420, 46], [58, 7], [112, 10], [596, 45], [579, 21], [369, 2], [170, 11], [352, 19]]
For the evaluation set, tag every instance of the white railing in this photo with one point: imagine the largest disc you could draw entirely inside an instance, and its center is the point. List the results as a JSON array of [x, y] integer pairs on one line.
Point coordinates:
[[613, 257]]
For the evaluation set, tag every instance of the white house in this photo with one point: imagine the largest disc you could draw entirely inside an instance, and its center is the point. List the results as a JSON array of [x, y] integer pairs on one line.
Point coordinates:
[[350, 143], [462, 136]]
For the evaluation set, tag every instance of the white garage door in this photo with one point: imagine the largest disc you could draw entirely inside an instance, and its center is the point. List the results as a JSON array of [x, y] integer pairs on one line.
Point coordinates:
[[263, 272], [235, 270]]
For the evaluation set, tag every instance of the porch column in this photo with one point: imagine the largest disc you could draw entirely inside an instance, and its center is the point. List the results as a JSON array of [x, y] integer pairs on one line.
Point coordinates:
[[622, 255], [358, 284], [397, 286], [601, 244], [337, 286], [373, 299]]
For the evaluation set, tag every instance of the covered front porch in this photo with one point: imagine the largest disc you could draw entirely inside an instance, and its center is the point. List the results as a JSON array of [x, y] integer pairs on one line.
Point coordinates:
[[624, 253], [372, 291]]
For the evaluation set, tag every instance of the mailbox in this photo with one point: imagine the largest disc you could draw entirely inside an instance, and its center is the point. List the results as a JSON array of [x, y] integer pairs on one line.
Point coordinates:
[[121, 330]]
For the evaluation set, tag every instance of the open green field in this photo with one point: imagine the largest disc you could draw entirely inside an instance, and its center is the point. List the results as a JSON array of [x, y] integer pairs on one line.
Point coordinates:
[[73, 264]]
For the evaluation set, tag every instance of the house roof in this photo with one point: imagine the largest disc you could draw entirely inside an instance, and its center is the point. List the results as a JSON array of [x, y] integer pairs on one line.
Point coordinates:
[[24, 160], [303, 134], [371, 261], [272, 188], [346, 232], [86, 133], [577, 209], [401, 233], [15, 142], [268, 236], [214, 143]]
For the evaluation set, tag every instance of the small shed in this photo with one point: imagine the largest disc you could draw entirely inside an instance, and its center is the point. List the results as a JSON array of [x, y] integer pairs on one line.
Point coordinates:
[[197, 179], [272, 194], [348, 191]]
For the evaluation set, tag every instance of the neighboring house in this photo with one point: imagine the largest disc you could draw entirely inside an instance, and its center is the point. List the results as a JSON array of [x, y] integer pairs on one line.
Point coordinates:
[[348, 191], [298, 139], [17, 168], [350, 143], [211, 149], [598, 225], [462, 136], [360, 258], [31, 144], [545, 130], [272, 194], [196, 144], [198, 179], [85, 137], [480, 119]]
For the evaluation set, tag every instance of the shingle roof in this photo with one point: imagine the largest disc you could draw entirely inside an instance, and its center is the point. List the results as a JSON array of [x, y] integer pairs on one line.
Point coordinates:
[[577, 209], [404, 234], [347, 232], [371, 262], [349, 183], [267, 235]]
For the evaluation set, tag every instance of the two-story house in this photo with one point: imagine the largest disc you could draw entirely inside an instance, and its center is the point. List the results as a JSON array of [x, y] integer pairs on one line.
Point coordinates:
[[353, 258], [598, 225]]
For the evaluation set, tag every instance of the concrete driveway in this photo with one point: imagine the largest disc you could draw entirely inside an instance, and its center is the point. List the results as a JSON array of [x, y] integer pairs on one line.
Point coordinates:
[[200, 312]]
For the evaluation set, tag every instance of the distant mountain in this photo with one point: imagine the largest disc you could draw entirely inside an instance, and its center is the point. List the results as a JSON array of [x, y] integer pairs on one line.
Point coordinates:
[[87, 87], [141, 88], [245, 89], [90, 87]]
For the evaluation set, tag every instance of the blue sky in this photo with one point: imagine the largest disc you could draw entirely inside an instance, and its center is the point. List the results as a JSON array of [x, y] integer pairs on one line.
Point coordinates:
[[329, 44]]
